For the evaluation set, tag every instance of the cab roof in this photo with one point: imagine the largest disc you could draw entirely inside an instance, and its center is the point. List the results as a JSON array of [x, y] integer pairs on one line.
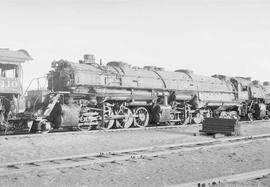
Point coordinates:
[[11, 56]]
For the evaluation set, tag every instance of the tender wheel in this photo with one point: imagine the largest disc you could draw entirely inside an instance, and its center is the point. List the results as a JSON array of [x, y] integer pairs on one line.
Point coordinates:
[[108, 123], [127, 121], [141, 117]]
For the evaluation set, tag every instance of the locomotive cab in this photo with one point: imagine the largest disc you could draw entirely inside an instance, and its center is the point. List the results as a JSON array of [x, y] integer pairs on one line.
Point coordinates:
[[10, 84]]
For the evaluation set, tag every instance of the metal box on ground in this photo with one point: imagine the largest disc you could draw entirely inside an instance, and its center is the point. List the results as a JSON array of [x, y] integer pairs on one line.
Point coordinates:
[[221, 126]]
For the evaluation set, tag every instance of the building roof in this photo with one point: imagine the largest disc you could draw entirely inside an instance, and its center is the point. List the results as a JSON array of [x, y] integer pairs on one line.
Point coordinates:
[[19, 56]]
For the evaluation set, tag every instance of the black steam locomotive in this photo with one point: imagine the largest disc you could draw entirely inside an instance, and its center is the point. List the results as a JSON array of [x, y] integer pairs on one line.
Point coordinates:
[[89, 95]]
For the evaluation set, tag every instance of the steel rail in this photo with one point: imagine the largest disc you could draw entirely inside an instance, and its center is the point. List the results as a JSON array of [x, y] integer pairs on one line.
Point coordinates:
[[225, 179], [254, 122], [123, 130], [121, 155], [101, 131]]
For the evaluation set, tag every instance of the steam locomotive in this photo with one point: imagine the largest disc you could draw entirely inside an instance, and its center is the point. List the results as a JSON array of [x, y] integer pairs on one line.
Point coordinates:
[[90, 95]]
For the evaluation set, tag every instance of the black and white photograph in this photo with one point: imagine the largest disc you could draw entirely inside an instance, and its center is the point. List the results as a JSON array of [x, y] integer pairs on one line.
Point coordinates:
[[135, 93]]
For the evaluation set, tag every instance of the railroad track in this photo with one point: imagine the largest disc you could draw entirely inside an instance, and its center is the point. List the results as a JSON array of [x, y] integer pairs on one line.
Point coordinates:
[[123, 155], [124, 130], [225, 179], [102, 131]]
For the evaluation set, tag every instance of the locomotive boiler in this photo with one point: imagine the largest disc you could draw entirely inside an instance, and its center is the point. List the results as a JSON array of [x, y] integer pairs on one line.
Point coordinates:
[[87, 95]]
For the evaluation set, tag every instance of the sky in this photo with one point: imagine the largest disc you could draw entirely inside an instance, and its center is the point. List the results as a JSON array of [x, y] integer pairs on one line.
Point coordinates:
[[229, 37]]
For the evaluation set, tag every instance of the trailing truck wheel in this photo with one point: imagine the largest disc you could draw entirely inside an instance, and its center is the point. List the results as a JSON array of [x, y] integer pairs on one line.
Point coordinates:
[[141, 117], [127, 121]]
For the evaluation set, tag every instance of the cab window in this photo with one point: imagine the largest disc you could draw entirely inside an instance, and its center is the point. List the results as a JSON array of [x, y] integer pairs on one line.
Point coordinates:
[[8, 71]]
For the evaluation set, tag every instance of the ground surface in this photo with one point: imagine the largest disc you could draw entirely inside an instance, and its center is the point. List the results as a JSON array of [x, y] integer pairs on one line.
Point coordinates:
[[161, 171]]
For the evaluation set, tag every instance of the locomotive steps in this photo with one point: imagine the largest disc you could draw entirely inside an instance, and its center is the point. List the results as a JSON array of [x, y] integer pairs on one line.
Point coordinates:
[[122, 155]]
